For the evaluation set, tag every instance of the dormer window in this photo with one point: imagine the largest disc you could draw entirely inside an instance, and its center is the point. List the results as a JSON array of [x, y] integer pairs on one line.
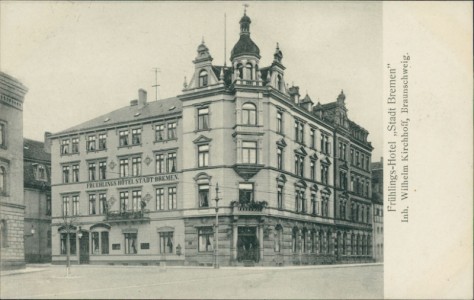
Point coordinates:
[[40, 172], [203, 78]]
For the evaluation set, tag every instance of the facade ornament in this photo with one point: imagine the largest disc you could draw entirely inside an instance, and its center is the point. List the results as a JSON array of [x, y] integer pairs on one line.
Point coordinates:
[[112, 165]]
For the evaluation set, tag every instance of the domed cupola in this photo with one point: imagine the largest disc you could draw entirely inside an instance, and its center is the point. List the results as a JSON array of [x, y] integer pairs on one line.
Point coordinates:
[[245, 45]]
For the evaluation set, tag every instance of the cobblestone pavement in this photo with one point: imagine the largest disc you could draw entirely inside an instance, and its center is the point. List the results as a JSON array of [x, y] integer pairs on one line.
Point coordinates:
[[113, 282]]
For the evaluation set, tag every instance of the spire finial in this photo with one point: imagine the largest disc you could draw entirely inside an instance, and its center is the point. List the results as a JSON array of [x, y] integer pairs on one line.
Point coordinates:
[[278, 45], [245, 8], [203, 40]]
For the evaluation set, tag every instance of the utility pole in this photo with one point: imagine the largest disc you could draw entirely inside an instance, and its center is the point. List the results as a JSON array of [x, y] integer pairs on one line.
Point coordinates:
[[216, 248], [156, 85]]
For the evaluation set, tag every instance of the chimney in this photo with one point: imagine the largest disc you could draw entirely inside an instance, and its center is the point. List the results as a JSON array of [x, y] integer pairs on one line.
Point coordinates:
[[294, 92], [47, 142], [141, 98]]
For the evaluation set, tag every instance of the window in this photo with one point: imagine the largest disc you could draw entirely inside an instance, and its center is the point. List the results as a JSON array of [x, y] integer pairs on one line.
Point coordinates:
[[279, 122], [312, 241], [102, 170], [249, 152], [312, 137], [203, 78], [123, 201], [342, 209], [75, 205], [314, 204], [203, 118], [65, 147], [104, 242], [48, 239], [294, 239], [299, 131], [245, 192], [279, 83], [92, 201], [344, 152], [280, 197], [65, 174], [278, 238], [92, 171], [280, 158], [324, 174], [357, 159], [299, 165], [166, 242], [303, 240], [249, 114], [130, 243], [172, 162], [172, 131], [160, 163], [312, 168], [204, 195], [124, 167], [325, 205], [2, 135], [352, 156], [160, 199], [248, 71], [367, 163], [95, 243], [240, 70], [48, 205], [206, 239], [362, 160], [203, 155], [325, 146], [75, 145], [40, 172], [72, 243], [75, 173], [172, 198], [136, 200], [367, 188], [136, 136], [159, 132], [3, 180], [91, 143], [136, 166], [102, 203], [66, 208], [123, 138], [343, 180], [300, 201], [3, 234], [102, 141]]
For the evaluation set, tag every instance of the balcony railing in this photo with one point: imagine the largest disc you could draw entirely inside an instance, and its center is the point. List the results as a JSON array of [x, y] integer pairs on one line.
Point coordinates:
[[128, 216], [250, 206]]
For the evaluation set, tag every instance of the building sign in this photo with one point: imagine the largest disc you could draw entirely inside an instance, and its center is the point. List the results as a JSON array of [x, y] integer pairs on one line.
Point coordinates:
[[131, 181]]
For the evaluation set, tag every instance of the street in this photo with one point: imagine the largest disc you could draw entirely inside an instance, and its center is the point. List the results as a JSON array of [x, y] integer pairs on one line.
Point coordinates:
[[112, 282]]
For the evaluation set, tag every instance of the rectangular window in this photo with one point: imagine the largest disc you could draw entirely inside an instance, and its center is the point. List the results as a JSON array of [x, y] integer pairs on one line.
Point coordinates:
[[314, 207], [160, 199], [301, 135], [92, 171], [203, 155], [299, 132], [357, 158], [75, 205], [66, 209], [204, 195], [75, 173], [136, 200], [280, 197], [48, 205], [206, 239], [123, 201], [172, 162], [65, 174], [172, 198], [352, 156], [299, 165], [160, 163], [75, 145], [130, 243], [95, 243], [312, 166], [245, 192], [136, 166], [166, 242], [102, 141], [249, 152], [172, 131], [92, 201], [324, 174], [124, 167], [280, 158], [102, 203], [104, 242], [2, 134], [279, 122], [123, 138], [362, 159], [325, 147], [159, 132], [203, 118], [344, 151], [102, 170], [65, 147], [312, 137], [136, 136], [91, 143]]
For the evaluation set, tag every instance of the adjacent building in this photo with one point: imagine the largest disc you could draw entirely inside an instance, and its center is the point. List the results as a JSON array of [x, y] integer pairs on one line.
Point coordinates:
[[12, 207], [377, 199], [289, 179], [37, 195]]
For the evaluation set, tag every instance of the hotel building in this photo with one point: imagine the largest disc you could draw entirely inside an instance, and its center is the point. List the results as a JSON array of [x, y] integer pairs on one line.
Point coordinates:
[[292, 178]]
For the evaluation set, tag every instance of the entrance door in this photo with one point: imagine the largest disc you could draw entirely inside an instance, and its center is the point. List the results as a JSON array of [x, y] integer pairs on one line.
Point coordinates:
[[247, 244], [84, 248]]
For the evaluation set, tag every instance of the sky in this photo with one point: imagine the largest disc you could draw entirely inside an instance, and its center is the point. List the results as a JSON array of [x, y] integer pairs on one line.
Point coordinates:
[[80, 60]]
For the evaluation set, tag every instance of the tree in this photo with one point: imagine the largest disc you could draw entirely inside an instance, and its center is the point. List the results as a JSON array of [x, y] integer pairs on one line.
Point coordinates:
[[69, 228]]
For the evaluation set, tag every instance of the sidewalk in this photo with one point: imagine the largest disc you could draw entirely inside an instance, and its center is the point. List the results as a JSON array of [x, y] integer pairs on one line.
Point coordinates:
[[29, 269]]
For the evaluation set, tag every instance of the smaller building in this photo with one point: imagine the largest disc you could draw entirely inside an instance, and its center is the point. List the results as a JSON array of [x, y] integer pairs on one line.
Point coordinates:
[[377, 200], [37, 195]]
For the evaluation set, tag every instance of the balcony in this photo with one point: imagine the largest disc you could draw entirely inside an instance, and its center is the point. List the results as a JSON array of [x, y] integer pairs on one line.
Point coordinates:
[[247, 171], [247, 82], [128, 217], [251, 208]]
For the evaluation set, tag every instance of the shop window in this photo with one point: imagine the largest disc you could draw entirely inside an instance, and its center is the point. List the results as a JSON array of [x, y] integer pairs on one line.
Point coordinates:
[[130, 243], [72, 243], [166, 242], [206, 239]]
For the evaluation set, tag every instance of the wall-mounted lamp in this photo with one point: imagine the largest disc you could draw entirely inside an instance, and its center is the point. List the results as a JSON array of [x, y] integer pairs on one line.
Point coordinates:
[[32, 232]]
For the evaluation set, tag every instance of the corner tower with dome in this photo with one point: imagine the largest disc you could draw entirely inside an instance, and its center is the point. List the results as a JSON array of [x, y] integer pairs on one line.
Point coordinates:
[[290, 176]]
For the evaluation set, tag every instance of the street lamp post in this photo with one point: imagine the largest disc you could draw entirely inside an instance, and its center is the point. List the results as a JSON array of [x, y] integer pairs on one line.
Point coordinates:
[[78, 247], [216, 248]]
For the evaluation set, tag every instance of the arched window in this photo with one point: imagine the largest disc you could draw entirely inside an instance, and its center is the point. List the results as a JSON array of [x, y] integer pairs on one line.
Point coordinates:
[[249, 71], [344, 239], [304, 236], [352, 244], [249, 114], [321, 242], [3, 234], [203, 78], [3, 180], [280, 83], [240, 71], [294, 240], [278, 238]]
